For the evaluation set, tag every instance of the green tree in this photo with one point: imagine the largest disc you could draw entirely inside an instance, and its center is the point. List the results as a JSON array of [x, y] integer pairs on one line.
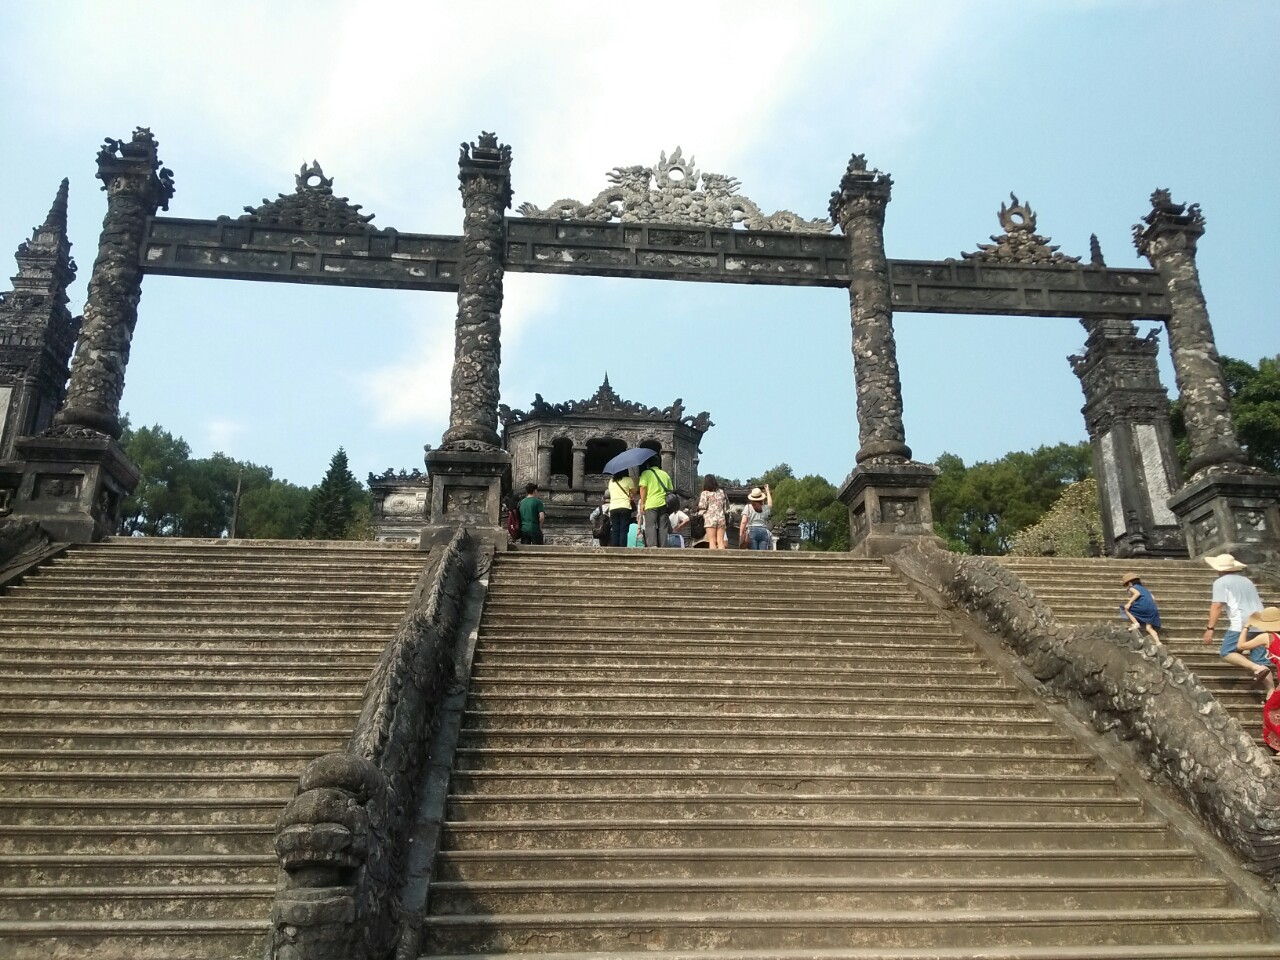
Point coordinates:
[[772, 477], [1255, 408], [332, 508], [1071, 528], [978, 509], [824, 520], [273, 512], [155, 508]]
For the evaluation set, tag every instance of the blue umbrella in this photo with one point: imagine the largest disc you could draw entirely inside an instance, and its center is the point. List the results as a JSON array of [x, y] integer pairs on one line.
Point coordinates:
[[628, 459]]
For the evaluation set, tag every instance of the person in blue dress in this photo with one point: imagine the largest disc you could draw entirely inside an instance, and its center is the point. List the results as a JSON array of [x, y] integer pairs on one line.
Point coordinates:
[[1140, 609]]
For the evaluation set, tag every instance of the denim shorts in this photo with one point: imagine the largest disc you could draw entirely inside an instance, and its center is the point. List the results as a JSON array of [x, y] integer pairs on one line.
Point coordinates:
[[1232, 638]]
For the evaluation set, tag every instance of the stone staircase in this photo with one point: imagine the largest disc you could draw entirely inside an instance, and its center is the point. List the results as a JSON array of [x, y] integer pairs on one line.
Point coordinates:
[[1088, 591], [787, 755], [159, 699]]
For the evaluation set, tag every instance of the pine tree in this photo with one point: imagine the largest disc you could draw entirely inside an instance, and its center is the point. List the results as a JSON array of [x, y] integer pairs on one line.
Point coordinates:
[[332, 504]]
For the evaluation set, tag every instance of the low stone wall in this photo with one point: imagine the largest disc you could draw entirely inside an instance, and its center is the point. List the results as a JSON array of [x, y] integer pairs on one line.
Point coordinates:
[[341, 840], [1130, 687]]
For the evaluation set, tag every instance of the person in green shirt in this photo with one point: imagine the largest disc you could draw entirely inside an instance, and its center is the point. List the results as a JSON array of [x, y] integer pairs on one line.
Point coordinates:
[[532, 516], [655, 484]]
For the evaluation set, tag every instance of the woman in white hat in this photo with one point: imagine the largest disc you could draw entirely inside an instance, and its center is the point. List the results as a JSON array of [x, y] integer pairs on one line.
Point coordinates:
[[1238, 598], [754, 528], [1267, 620]]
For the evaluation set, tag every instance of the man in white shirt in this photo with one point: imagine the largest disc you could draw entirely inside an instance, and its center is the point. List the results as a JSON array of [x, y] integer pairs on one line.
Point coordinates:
[[1237, 595], [679, 524]]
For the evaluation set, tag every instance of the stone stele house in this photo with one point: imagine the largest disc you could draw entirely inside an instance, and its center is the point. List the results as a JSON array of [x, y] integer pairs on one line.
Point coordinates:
[[562, 447]]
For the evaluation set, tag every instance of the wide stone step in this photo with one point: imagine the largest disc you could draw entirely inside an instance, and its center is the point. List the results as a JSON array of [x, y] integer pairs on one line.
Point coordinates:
[[335, 701], [136, 870], [854, 726], [803, 862], [710, 699], [173, 623], [852, 893], [814, 808], [837, 669], [941, 754], [194, 839], [304, 742], [491, 658], [663, 930], [178, 671], [186, 902], [210, 721], [132, 939], [780, 596], [270, 762], [219, 587], [726, 641], [887, 834], [219, 657], [179, 609], [1227, 951], [179, 688], [197, 784], [289, 638], [643, 621], [483, 783], [127, 811]]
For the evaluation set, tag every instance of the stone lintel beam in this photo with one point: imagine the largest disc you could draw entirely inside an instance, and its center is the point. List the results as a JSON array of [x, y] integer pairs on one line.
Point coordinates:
[[136, 186]]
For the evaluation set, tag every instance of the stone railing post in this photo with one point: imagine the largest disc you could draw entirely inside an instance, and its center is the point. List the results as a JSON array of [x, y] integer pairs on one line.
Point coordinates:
[[887, 493], [470, 470], [1225, 505], [136, 186]]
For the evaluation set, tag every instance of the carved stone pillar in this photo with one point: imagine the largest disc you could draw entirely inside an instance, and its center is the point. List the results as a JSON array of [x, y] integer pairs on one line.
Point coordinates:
[[1225, 505], [74, 476], [887, 493], [136, 185], [669, 463], [484, 172], [1126, 412], [577, 479], [470, 471]]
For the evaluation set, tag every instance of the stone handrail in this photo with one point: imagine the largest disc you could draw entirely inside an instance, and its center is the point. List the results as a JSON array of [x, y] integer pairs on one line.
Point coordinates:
[[341, 839], [1130, 687]]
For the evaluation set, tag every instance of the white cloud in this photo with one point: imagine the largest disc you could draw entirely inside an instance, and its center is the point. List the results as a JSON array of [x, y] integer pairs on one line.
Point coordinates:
[[221, 434]]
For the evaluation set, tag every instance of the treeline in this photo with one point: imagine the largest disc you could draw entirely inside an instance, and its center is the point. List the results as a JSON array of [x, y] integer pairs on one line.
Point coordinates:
[[216, 496]]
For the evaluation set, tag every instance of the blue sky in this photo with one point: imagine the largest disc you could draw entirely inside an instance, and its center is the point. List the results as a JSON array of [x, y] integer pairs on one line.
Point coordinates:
[[1081, 108]]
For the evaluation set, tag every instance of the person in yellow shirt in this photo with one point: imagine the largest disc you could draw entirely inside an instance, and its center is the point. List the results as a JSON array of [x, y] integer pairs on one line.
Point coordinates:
[[622, 503], [655, 484]]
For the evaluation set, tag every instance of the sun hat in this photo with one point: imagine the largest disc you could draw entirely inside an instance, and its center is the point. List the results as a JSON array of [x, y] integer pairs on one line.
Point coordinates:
[[1224, 563], [1268, 619], [755, 494], [1129, 578]]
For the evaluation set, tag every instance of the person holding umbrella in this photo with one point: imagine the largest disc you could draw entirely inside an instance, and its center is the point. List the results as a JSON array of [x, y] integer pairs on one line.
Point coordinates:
[[655, 485]]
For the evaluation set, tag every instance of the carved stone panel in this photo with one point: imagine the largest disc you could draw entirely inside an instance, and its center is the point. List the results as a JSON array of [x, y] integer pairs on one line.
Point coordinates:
[[57, 486]]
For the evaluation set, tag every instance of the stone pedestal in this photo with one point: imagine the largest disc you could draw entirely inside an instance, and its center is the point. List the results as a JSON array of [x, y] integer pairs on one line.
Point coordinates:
[[889, 506], [72, 485], [400, 506], [467, 487], [1231, 513]]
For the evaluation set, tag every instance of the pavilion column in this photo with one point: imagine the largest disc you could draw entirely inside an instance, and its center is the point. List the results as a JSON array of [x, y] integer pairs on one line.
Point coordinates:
[[136, 186], [577, 479], [470, 470], [544, 466], [887, 493], [1225, 505]]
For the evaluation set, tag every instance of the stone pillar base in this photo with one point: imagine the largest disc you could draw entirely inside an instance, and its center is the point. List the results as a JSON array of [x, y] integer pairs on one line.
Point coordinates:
[[889, 506], [467, 487], [72, 486], [1231, 513]]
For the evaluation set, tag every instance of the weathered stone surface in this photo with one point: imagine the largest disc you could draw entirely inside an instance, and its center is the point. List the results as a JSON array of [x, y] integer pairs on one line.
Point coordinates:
[[136, 185], [342, 839], [1019, 243], [1126, 684]]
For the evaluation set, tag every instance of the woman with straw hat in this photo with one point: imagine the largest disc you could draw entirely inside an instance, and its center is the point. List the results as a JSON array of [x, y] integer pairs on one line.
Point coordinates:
[[1267, 621]]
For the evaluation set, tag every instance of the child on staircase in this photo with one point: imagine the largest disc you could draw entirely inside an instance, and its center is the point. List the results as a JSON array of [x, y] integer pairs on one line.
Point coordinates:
[[1140, 609]]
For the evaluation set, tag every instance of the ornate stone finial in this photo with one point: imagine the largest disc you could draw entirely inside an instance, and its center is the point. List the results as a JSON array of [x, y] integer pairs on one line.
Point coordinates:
[[138, 157], [1167, 216], [675, 191], [1095, 252], [862, 190], [56, 220], [311, 206], [1019, 243], [45, 266], [486, 166]]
